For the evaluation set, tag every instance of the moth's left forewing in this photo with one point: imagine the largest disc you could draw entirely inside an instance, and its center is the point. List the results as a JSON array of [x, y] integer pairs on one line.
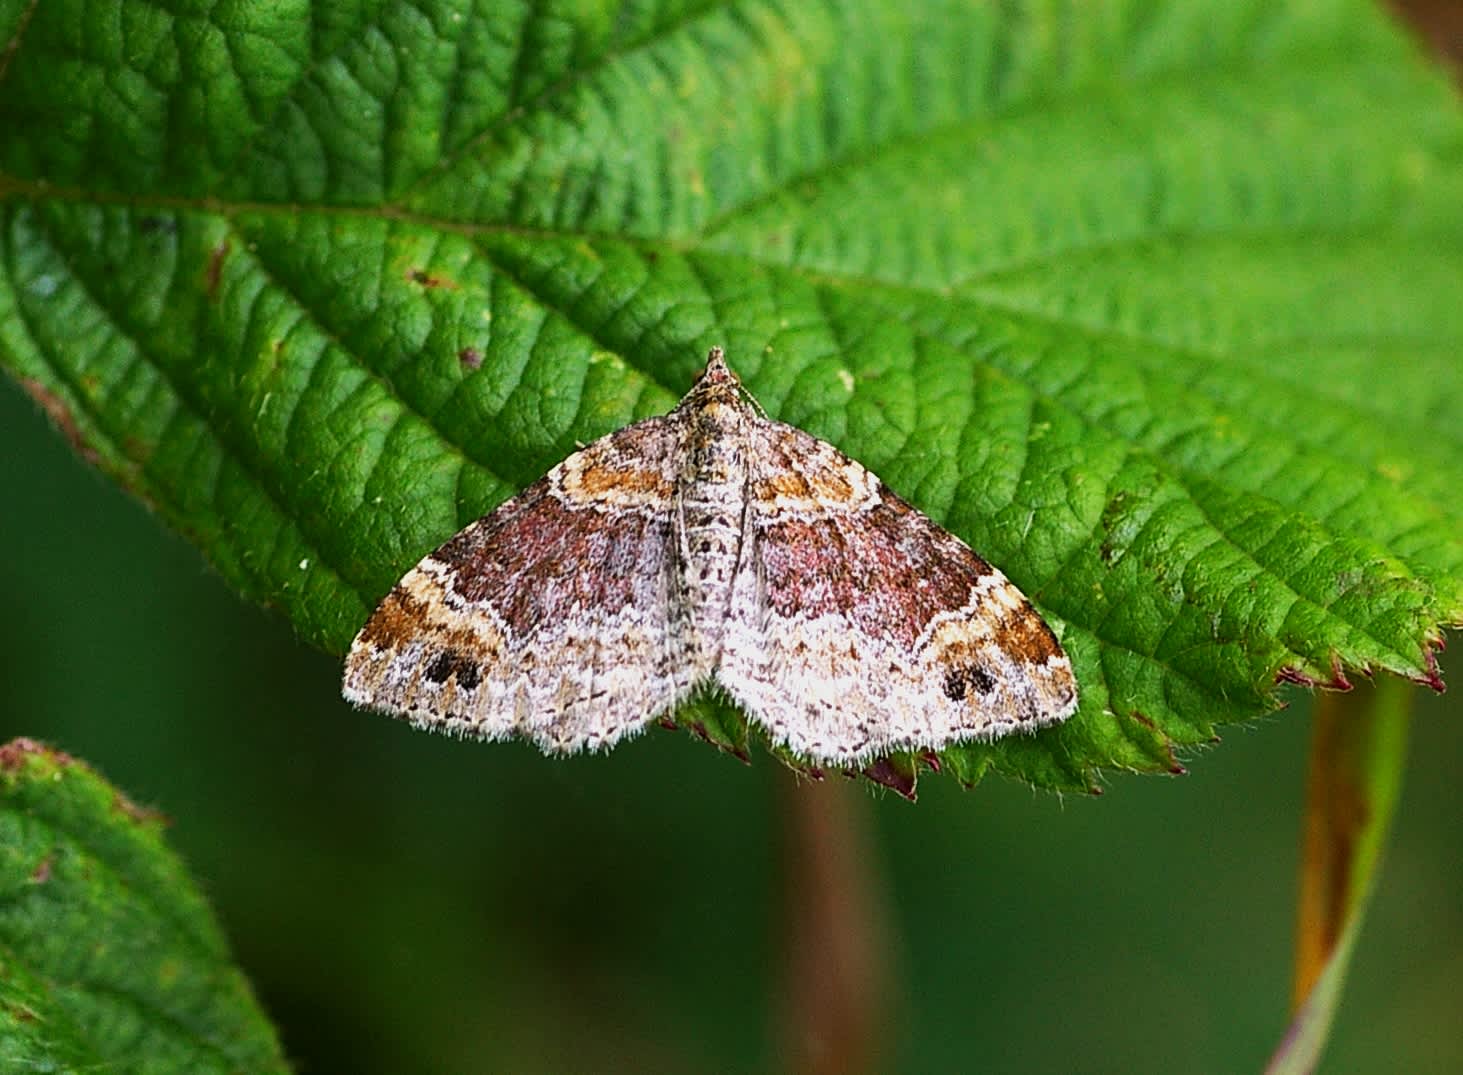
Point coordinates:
[[874, 629], [546, 618]]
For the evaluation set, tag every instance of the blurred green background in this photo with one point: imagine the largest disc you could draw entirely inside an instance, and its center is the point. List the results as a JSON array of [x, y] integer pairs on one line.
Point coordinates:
[[405, 902]]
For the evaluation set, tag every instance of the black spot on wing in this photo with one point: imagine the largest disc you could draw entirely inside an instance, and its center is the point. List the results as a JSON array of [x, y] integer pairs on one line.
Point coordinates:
[[962, 678]]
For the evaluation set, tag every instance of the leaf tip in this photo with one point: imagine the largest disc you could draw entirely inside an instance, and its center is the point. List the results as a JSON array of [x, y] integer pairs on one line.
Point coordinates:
[[16, 753]]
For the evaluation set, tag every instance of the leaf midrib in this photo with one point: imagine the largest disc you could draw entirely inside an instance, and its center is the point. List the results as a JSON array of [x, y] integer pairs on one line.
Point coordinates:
[[510, 114], [458, 448], [1377, 230]]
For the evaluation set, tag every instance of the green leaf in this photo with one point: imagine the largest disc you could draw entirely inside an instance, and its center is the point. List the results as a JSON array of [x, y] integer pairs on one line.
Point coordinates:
[[109, 957], [1358, 752], [1153, 303]]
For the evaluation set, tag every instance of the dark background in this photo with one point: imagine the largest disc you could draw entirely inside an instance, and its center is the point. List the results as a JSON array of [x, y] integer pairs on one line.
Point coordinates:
[[406, 902]]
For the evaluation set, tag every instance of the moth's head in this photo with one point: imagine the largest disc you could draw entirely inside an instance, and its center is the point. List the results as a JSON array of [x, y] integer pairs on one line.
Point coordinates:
[[717, 371], [718, 387]]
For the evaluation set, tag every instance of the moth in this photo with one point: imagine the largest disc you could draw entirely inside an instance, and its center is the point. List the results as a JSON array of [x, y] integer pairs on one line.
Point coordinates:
[[712, 547]]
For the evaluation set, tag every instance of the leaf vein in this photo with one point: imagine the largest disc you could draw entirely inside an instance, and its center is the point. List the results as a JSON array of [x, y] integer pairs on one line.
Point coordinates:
[[1084, 97], [184, 398], [691, 15]]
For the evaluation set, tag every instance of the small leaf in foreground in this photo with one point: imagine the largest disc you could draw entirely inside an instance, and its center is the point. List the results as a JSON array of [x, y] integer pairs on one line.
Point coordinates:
[[109, 957]]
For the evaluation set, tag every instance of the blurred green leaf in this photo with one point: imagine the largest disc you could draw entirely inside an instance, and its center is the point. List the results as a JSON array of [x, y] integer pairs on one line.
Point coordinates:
[[109, 957], [1153, 303], [1358, 753]]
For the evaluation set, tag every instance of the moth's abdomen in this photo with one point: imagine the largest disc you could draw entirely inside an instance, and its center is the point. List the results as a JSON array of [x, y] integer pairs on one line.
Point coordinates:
[[710, 509]]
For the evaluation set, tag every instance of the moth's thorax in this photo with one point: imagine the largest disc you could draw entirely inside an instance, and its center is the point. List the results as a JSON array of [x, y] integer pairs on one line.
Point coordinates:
[[711, 498], [715, 446]]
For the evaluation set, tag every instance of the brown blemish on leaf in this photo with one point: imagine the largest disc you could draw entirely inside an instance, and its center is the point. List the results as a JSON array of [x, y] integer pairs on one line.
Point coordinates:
[[471, 358], [429, 280], [60, 415], [42, 873], [213, 271]]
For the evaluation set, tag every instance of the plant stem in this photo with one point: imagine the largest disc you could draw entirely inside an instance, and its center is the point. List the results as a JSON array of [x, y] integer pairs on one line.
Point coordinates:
[[1358, 750], [834, 1019]]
